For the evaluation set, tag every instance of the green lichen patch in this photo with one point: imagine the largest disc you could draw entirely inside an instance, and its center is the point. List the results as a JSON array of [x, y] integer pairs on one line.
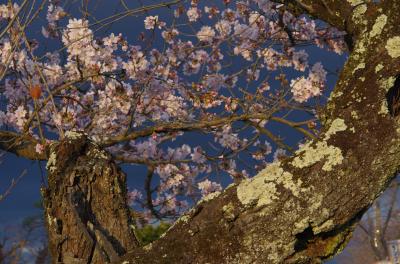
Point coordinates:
[[393, 47], [262, 189]]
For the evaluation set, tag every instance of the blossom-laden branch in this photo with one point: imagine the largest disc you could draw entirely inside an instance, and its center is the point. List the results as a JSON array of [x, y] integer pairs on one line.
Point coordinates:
[[135, 100]]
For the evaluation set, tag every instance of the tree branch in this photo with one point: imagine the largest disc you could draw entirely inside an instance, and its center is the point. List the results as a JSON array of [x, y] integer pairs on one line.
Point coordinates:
[[20, 145], [304, 209]]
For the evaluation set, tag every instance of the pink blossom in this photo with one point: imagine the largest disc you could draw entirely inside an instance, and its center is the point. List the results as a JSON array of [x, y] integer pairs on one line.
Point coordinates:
[[197, 155], [8, 10], [193, 14], [223, 27], [206, 187], [303, 89], [206, 34], [39, 148], [134, 196], [150, 22]]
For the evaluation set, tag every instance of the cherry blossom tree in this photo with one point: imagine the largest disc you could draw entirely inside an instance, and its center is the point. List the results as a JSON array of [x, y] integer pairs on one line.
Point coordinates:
[[217, 69]]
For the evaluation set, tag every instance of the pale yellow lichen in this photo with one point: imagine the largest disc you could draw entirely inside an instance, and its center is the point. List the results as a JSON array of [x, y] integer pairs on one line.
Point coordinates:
[[324, 227], [337, 125], [184, 218], [354, 114], [360, 49], [387, 83], [337, 94], [229, 186], [49, 220], [355, 2], [262, 188], [380, 23], [384, 108], [301, 225], [258, 245], [311, 155], [359, 67], [358, 14], [316, 203], [209, 197], [308, 155], [148, 247], [378, 68], [72, 135], [393, 47], [94, 152], [256, 190], [51, 163], [228, 211]]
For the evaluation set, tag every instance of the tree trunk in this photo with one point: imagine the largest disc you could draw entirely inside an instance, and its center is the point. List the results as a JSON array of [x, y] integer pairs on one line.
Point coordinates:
[[300, 210], [88, 220]]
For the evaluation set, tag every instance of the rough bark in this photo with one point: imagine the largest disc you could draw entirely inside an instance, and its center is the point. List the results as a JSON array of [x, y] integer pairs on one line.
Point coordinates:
[[303, 210], [20, 145], [86, 212], [300, 210]]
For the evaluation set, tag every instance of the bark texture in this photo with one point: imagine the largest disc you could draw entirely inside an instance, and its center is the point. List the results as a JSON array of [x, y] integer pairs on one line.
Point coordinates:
[[303, 210], [87, 216], [300, 210]]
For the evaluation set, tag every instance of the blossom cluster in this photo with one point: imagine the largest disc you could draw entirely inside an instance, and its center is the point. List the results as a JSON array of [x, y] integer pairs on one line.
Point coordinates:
[[110, 88]]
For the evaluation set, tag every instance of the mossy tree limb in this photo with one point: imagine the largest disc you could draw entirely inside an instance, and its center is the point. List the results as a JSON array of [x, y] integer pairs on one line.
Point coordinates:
[[303, 210]]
